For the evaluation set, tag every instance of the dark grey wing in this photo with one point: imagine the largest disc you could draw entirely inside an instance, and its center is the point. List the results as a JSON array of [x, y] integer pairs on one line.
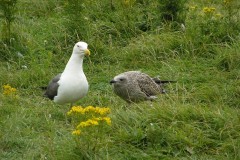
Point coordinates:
[[52, 87], [147, 85]]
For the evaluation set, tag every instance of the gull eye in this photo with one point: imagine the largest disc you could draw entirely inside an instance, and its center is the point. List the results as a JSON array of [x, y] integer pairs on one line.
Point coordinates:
[[121, 79], [78, 46]]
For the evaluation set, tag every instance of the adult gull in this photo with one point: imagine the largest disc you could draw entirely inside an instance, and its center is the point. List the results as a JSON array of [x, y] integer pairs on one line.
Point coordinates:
[[71, 85]]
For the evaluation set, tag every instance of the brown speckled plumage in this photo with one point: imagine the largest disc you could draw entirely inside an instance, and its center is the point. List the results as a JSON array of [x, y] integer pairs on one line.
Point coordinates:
[[135, 86]]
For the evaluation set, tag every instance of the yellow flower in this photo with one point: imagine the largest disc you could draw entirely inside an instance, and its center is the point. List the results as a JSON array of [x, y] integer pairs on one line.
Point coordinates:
[[82, 125], [93, 122], [97, 119], [102, 111], [89, 122], [76, 132], [193, 7], [76, 109], [108, 120], [89, 108], [8, 90], [81, 110], [208, 10]]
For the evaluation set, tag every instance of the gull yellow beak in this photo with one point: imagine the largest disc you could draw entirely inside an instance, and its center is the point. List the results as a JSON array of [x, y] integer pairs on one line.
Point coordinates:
[[87, 52]]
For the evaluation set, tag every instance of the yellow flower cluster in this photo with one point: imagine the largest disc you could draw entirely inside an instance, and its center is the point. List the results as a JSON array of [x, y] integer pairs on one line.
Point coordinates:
[[94, 122], [76, 132], [94, 115], [8, 90], [208, 10], [81, 110], [89, 122]]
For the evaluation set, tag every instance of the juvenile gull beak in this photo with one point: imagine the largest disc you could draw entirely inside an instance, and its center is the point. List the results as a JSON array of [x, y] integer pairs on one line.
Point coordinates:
[[112, 81]]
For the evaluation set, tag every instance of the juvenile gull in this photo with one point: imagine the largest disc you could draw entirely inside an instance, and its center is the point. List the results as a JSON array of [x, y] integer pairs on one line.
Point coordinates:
[[70, 85], [135, 86]]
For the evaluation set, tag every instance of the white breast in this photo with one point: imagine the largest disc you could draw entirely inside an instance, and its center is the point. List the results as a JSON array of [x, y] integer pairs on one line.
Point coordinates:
[[72, 87]]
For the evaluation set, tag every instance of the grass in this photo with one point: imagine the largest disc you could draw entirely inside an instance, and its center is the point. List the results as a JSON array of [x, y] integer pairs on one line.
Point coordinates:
[[197, 119]]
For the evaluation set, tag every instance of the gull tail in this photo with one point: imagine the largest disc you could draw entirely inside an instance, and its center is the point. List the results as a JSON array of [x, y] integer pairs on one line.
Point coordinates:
[[160, 82]]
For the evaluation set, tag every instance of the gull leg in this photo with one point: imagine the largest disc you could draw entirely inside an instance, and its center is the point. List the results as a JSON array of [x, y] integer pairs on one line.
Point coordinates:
[[151, 98], [68, 120]]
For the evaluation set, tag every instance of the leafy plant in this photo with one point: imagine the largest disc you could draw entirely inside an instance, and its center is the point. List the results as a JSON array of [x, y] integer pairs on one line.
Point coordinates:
[[91, 124], [8, 10], [7, 16]]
